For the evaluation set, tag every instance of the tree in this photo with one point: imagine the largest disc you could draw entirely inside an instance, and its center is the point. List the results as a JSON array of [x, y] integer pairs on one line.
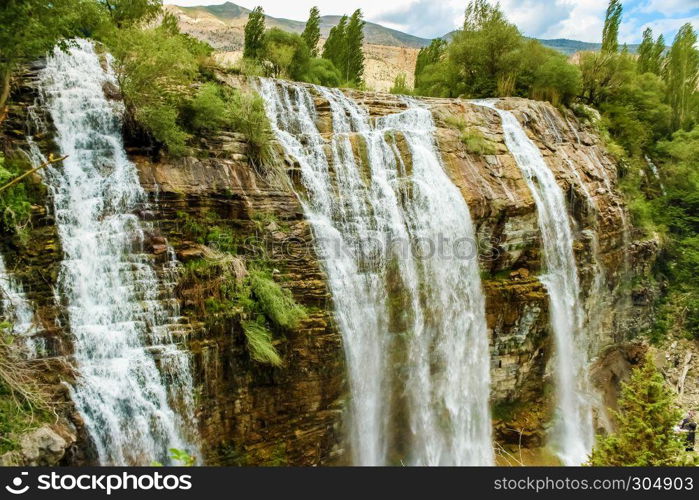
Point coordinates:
[[427, 56], [129, 12], [486, 52], [354, 70], [682, 75], [610, 33], [287, 53], [254, 34], [311, 33], [400, 85], [335, 47], [30, 28], [646, 419]]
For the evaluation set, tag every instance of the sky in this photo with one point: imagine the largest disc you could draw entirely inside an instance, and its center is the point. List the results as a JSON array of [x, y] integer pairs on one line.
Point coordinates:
[[574, 19]]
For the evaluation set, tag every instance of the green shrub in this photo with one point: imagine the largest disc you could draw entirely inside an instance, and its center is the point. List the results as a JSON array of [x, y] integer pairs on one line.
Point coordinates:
[[400, 85], [260, 343], [250, 119], [15, 208], [207, 110]]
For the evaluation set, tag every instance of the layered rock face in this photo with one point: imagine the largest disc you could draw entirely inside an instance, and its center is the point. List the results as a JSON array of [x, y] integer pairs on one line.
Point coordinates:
[[254, 414]]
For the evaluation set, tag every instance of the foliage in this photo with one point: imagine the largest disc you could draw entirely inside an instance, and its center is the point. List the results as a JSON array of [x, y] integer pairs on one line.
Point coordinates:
[[610, 32], [682, 76], [650, 53], [181, 456], [322, 72], [471, 137], [287, 54], [311, 32], [489, 57], [260, 343], [400, 85], [274, 301], [24, 403], [30, 28], [15, 208], [254, 34], [156, 70], [344, 48], [130, 12], [646, 419]]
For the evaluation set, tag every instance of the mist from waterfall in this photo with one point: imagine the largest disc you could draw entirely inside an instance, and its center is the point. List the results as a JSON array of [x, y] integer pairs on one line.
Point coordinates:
[[573, 433], [118, 321], [396, 240]]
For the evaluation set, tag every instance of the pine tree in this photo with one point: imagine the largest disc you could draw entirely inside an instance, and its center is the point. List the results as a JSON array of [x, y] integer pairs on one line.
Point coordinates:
[[254, 34], [610, 33], [645, 421], [335, 47], [355, 48], [682, 75], [311, 33]]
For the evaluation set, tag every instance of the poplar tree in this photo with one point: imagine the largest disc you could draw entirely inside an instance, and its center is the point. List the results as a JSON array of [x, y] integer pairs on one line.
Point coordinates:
[[646, 419], [682, 75], [610, 33], [650, 53], [254, 34], [354, 70], [335, 48], [311, 33]]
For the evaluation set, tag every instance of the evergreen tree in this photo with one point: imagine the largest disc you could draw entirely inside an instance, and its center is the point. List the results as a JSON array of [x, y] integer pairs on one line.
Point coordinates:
[[254, 34], [610, 34], [354, 70], [335, 48], [682, 75], [646, 419], [311, 33]]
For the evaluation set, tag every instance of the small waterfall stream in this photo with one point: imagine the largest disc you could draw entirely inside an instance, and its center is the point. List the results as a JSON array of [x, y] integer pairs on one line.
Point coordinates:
[[573, 433], [397, 242], [118, 321], [16, 309]]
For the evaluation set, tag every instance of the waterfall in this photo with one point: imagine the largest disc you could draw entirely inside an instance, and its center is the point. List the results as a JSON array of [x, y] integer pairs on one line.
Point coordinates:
[[396, 240], [573, 433], [16, 309], [117, 320]]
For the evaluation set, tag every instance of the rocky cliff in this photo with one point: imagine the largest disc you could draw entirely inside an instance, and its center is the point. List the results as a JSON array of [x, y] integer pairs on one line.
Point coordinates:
[[216, 202]]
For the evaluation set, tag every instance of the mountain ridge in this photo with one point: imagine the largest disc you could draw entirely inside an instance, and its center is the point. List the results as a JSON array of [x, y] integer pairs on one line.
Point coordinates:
[[375, 33]]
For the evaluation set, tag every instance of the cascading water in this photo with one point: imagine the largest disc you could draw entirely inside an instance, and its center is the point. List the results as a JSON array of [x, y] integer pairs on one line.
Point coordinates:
[[16, 309], [397, 242], [573, 433], [116, 318]]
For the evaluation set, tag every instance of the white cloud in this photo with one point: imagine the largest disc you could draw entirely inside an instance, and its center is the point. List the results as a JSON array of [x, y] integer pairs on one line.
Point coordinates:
[[667, 7]]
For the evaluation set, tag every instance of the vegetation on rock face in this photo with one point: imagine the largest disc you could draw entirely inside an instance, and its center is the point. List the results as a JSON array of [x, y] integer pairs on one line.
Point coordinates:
[[226, 286], [24, 404], [646, 420], [15, 207]]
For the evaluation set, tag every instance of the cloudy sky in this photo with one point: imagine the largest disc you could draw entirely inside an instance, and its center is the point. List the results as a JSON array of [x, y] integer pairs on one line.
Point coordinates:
[[576, 19]]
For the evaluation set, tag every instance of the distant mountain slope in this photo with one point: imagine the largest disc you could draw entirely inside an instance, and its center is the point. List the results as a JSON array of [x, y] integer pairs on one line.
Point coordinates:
[[230, 13]]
